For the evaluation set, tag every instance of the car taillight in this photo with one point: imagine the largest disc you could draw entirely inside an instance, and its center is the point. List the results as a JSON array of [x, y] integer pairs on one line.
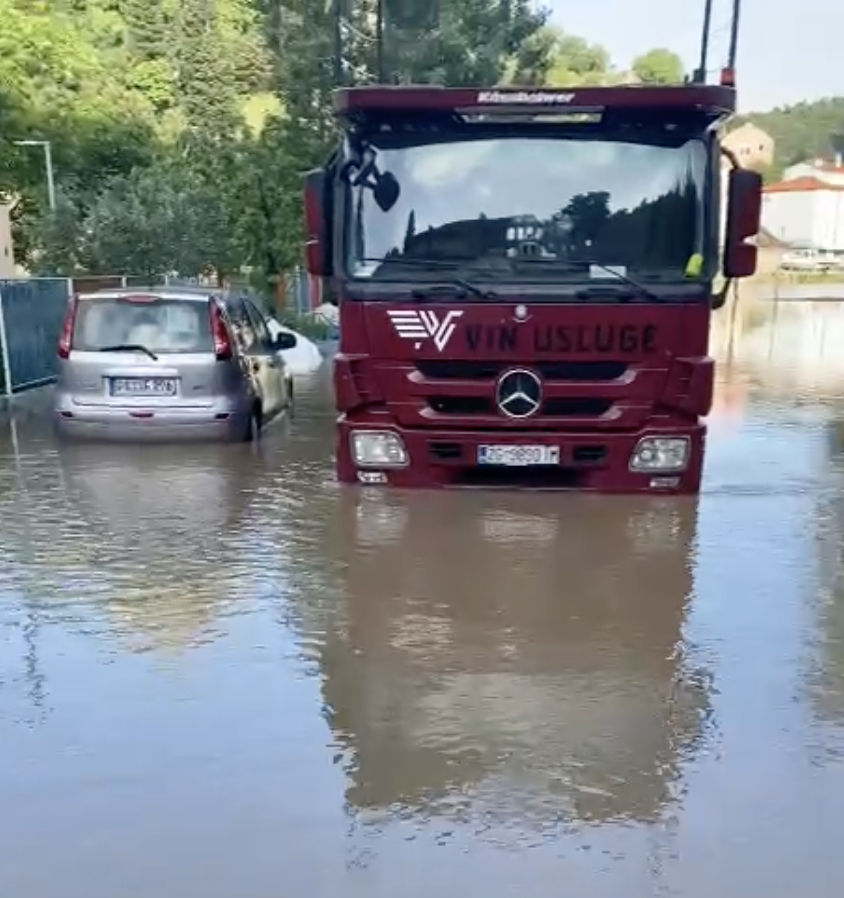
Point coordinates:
[[66, 336], [220, 334]]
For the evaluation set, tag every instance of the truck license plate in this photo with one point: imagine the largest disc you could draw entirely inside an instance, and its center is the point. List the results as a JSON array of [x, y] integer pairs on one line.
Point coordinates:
[[518, 456]]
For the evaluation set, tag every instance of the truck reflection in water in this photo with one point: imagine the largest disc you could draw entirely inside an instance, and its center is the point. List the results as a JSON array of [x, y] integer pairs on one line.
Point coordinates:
[[514, 655]]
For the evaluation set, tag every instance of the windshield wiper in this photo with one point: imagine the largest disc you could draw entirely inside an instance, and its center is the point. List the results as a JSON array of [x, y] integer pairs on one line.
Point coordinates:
[[129, 347], [456, 288], [597, 289], [451, 285]]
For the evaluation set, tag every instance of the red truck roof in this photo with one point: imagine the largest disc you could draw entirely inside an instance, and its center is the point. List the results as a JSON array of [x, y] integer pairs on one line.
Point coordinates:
[[711, 99]]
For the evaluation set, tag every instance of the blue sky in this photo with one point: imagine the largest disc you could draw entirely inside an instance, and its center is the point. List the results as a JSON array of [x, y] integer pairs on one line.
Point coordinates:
[[782, 58]]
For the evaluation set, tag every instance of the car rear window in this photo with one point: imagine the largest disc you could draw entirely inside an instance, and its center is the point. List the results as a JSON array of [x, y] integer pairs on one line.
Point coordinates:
[[158, 324]]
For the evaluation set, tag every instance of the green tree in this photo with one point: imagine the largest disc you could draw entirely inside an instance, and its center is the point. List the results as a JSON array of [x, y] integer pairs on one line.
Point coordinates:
[[269, 181], [147, 23], [802, 131], [472, 43], [56, 85], [58, 237], [155, 221], [552, 57], [575, 61], [206, 78], [659, 66], [271, 194]]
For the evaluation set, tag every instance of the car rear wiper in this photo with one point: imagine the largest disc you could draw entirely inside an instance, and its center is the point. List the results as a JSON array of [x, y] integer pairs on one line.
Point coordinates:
[[451, 285], [129, 347], [598, 289]]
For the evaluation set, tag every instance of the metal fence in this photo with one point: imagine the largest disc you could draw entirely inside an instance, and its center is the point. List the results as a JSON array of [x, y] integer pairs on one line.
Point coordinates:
[[298, 292], [93, 282], [31, 314]]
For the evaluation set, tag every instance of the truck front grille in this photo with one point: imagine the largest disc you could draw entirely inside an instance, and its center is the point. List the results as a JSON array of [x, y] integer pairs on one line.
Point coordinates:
[[460, 405], [562, 407], [449, 369]]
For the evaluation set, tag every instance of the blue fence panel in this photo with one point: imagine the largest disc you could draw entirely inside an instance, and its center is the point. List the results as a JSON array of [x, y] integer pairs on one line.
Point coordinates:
[[33, 310]]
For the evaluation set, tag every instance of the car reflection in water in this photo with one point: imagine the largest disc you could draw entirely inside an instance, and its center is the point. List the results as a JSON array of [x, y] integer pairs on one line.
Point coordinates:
[[514, 655], [161, 528]]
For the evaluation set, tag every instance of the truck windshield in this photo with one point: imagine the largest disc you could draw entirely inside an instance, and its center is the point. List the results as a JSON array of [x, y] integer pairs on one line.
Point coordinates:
[[493, 204]]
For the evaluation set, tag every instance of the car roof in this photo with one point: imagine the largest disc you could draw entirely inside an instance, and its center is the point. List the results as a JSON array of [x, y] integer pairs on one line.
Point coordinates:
[[197, 294]]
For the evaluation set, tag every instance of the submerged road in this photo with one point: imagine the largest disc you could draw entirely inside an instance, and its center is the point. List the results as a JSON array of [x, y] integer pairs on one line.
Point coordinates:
[[221, 675]]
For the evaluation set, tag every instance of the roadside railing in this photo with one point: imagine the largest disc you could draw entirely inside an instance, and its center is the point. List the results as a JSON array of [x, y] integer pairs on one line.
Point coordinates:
[[31, 314]]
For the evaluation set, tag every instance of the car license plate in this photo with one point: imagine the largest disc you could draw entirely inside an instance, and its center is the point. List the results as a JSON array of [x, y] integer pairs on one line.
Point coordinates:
[[143, 386], [518, 456]]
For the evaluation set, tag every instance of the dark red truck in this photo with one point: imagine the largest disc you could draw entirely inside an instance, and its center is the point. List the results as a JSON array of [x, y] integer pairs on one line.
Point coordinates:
[[525, 282]]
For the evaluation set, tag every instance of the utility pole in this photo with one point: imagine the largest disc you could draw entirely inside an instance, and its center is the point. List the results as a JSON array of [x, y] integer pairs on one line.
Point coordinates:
[[337, 28], [700, 75], [734, 32], [379, 41]]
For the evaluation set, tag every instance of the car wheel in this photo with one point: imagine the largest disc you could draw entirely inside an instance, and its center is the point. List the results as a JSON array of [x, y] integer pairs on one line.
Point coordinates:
[[291, 398]]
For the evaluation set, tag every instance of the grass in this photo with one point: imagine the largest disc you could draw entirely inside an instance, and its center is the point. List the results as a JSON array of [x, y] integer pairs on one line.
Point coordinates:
[[800, 277]]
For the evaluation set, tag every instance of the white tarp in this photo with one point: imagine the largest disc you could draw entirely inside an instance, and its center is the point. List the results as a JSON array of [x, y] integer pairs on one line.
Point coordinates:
[[304, 357], [328, 313]]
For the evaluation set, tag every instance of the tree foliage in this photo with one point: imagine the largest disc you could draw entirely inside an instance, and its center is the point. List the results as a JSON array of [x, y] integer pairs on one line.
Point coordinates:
[[659, 66], [181, 129], [803, 131]]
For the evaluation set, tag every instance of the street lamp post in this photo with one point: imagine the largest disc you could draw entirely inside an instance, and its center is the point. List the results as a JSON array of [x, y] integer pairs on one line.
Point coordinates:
[[48, 162]]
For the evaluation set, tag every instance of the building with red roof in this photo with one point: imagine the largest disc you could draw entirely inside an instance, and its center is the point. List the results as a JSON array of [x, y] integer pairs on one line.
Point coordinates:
[[806, 208]]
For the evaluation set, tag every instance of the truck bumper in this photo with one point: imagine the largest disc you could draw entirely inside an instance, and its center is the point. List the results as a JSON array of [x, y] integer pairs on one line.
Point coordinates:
[[599, 461]]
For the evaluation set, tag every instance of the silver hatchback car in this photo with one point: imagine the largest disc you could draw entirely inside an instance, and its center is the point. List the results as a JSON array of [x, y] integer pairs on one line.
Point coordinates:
[[168, 363]]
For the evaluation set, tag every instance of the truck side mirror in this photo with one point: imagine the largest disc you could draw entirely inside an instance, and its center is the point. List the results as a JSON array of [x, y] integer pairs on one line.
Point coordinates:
[[744, 213], [318, 223]]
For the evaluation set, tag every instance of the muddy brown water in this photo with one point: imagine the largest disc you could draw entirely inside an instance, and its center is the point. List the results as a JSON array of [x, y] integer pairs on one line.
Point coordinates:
[[222, 675]]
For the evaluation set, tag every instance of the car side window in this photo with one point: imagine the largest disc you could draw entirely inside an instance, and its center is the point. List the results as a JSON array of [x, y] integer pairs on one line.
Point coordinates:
[[259, 324], [244, 332]]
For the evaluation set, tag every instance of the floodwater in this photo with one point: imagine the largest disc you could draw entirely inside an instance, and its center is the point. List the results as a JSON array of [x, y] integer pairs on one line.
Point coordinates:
[[221, 675]]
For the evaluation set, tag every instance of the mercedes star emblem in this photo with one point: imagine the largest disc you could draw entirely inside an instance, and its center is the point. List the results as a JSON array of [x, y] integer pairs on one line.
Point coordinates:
[[519, 393]]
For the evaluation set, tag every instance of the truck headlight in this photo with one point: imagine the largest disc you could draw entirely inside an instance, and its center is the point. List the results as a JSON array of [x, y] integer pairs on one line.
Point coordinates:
[[662, 454], [378, 449]]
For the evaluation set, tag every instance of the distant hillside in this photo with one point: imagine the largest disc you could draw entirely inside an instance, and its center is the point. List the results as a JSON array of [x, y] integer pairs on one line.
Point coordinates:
[[803, 130]]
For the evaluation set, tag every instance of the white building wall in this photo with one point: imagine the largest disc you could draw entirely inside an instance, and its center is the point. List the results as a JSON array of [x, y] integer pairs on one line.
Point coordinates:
[[806, 218], [829, 221], [7, 249], [791, 216]]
